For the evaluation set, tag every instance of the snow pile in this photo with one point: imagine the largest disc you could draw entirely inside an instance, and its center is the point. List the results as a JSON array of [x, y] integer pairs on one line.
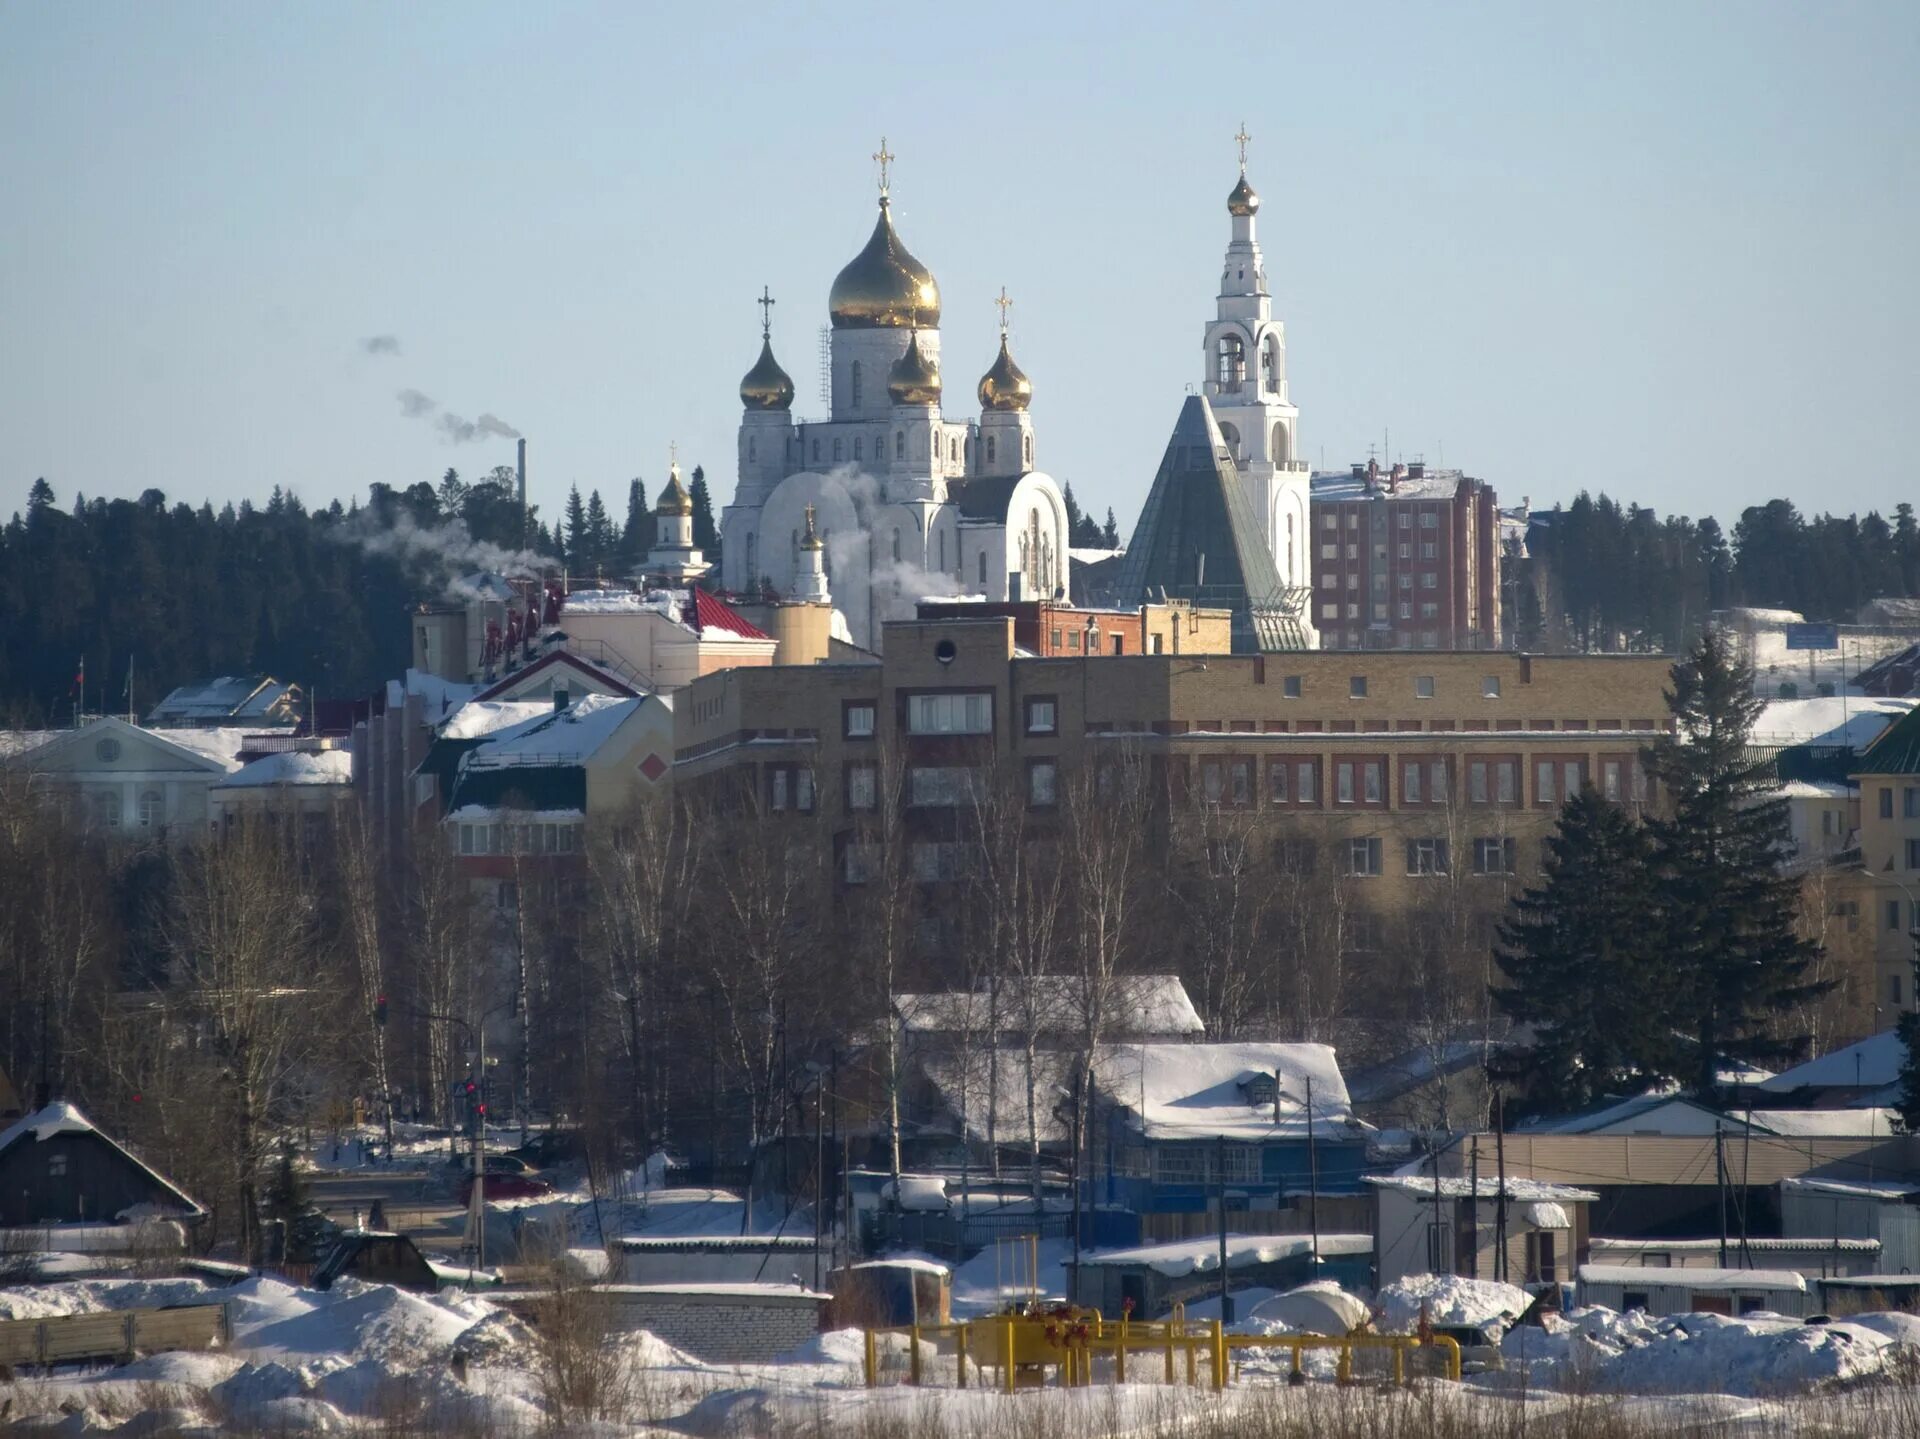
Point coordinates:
[[334, 766], [366, 1321], [1320, 1307], [1695, 1353], [1449, 1300], [916, 1192], [1182, 1257], [96, 1296]]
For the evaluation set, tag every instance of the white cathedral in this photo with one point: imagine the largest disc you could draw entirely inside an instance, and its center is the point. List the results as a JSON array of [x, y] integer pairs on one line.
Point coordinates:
[[910, 503], [907, 502]]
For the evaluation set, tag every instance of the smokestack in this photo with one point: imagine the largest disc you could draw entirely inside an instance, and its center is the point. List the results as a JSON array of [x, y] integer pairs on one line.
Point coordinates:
[[521, 473]]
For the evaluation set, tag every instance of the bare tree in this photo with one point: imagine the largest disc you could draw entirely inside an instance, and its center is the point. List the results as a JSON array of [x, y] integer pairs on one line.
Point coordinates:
[[447, 978], [359, 900]]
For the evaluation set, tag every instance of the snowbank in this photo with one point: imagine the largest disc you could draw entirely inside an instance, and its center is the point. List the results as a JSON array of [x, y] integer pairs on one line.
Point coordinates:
[[1449, 1300]]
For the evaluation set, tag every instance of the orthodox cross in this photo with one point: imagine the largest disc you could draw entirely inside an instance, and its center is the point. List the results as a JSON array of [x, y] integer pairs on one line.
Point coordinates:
[[1240, 140], [673, 457], [1003, 304], [766, 302], [883, 159]]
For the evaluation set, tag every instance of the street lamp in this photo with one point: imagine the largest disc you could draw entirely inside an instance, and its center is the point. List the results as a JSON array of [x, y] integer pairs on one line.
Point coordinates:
[[476, 1197]]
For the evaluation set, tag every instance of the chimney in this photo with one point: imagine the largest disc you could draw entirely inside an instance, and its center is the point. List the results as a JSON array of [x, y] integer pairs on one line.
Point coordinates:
[[521, 475]]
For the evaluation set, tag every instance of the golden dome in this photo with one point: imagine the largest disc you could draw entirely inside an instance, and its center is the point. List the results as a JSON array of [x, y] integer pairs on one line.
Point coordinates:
[[1242, 201], [883, 287], [674, 500], [1005, 386], [766, 386], [811, 539], [914, 380]]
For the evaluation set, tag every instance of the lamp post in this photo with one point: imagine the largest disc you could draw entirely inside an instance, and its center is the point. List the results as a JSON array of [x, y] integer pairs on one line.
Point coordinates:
[[476, 1197]]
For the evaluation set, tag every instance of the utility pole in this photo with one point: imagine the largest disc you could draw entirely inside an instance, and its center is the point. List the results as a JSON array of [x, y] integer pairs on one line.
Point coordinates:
[[1313, 1183], [1720, 1185], [1220, 1189], [1500, 1201], [1473, 1209]]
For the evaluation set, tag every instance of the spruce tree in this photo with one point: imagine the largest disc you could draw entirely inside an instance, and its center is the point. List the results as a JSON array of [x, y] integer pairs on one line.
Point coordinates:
[[576, 533], [599, 531], [1110, 532], [633, 536], [705, 536], [1908, 1028], [1725, 906], [1580, 968]]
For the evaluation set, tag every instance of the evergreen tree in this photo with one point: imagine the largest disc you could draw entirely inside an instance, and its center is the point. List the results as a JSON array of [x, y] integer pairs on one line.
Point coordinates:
[[599, 532], [1908, 1028], [453, 493], [576, 532], [705, 536], [1725, 907], [40, 496], [635, 535], [1110, 532], [1579, 966]]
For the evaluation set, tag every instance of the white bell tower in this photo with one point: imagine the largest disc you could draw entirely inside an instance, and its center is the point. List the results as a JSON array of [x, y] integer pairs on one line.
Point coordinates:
[[1246, 386]]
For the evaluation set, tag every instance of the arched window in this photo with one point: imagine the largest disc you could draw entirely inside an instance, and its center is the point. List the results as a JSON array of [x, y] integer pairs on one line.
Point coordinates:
[[1270, 364], [1232, 437], [943, 551], [750, 447], [853, 383], [989, 449], [896, 547], [859, 446], [1029, 451], [1231, 370], [1289, 545], [152, 809], [899, 444], [752, 573], [983, 569], [1279, 454], [953, 449], [836, 447], [106, 809]]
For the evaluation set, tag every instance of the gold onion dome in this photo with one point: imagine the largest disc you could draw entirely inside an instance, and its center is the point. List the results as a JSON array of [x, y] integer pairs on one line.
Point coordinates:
[[811, 540], [1242, 201], [674, 499], [766, 386], [1005, 386], [914, 380], [884, 287]]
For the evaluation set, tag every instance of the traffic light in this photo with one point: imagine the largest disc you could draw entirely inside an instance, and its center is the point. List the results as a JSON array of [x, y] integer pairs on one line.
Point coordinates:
[[380, 1011]]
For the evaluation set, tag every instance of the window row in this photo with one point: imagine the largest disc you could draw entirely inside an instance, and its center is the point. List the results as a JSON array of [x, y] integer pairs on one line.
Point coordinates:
[[1432, 855], [1425, 781], [542, 838]]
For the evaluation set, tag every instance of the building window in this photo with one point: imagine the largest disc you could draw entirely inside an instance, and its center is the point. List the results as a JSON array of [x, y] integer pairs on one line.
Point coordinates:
[[1327, 612], [861, 863], [153, 809], [1426, 856], [1429, 521], [950, 714], [1041, 715], [106, 809], [1490, 687], [1293, 781], [983, 567], [1423, 687], [1493, 854], [935, 861], [1291, 687], [1913, 854], [1555, 780], [1910, 802], [859, 449], [1427, 551], [1294, 856], [1429, 581], [853, 376], [789, 786], [859, 719], [1363, 856], [1493, 781], [1893, 914], [836, 447], [1329, 552], [862, 787], [1406, 520], [1357, 687], [1886, 803], [1406, 581], [1895, 994], [1043, 783], [940, 786]]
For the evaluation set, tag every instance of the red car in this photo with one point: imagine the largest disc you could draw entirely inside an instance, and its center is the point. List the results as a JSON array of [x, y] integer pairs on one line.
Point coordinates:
[[506, 1186]]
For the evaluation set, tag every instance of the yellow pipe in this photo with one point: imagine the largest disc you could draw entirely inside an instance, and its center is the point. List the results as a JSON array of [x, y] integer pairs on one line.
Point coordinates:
[[960, 1352], [873, 1362], [1006, 1366], [913, 1354]]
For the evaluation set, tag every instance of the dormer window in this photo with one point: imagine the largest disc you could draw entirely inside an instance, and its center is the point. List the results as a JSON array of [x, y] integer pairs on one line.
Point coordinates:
[[1261, 1090]]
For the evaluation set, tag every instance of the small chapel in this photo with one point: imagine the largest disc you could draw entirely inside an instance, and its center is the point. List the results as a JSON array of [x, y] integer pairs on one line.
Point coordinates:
[[901, 500]]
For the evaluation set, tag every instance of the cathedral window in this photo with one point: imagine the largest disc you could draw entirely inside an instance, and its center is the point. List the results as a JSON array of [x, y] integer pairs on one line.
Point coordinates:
[[943, 550], [836, 447], [899, 444], [750, 447], [1029, 444], [1270, 366], [1232, 437], [953, 450], [816, 447], [858, 446], [1280, 450], [853, 383], [896, 547], [989, 449], [983, 567]]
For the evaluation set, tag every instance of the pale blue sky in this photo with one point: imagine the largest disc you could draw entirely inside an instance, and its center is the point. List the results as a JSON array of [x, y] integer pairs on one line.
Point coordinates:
[[1663, 249]]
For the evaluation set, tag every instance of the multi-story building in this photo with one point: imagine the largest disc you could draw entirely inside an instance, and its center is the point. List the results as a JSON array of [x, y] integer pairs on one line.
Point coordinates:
[[1406, 559], [1888, 775], [1392, 769]]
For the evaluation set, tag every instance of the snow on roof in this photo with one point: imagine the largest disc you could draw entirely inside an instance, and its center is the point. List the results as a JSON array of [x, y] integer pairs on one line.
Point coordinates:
[[1092, 556], [1527, 1191], [1817, 789], [1200, 1256], [1827, 1123], [1143, 1004], [1640, 1109], [1838, 721], [740, 1289], [63, 1117], [1200, 1091], [619, 602], [1634, 1276], [21, 741], [718, 620], [1435, 484], [1869, 1062], [1852, 1189], [221, 745], [967, 1082], [904, 1261], [333, 766], [438, 695], [555, 737], [476, 718], [695, 1243], [918, 1193], [1771, 1245]]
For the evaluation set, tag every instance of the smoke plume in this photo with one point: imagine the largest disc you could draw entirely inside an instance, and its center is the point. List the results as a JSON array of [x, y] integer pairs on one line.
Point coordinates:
[[868, 549], [457, 430], [447, 551], [413, 404], [381, 345]]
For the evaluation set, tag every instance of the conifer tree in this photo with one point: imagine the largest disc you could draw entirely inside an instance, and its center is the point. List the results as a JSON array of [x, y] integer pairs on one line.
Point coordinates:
[[1580, 967], [576, 532], [634, 535], [705, 536], [1110, 532], [1908, 1028], [599, 531], [1725, 907]]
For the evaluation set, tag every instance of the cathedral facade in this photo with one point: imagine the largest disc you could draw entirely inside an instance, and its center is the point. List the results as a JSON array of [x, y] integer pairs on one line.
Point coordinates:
[[905, 501]]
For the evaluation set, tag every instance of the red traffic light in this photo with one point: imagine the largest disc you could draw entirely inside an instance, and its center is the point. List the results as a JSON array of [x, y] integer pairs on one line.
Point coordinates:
[[483, 1109], [138, 1096]]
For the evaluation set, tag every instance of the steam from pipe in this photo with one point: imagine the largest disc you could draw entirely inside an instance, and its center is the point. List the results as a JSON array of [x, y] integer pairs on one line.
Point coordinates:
[[381, 345], [456, 429], [446, 549]]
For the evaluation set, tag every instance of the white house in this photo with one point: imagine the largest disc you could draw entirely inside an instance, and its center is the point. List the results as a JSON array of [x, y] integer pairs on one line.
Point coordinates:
[[133, 783]]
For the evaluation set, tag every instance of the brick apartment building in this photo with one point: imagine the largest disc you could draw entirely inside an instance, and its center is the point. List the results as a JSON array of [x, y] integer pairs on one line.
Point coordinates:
[[1406, 559], [1395, 768]]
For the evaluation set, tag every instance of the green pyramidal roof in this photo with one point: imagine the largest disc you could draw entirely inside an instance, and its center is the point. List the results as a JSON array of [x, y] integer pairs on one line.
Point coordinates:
[[1199, 540], [1896, 750]]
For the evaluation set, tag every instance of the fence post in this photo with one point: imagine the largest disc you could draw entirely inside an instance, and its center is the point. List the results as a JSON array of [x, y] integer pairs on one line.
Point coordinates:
[[1344, 1372], [1007, 1364], [127, 1328], [1219, 1355], [1399, 1364], [873, 1361], [1169, 1354], [913, 1355], [960, 1350]]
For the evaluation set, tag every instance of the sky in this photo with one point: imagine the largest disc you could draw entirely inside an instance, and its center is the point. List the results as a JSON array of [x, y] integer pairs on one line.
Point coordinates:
[[1663, 250]]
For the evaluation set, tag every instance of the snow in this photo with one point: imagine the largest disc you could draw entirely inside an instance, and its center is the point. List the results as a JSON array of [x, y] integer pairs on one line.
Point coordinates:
[[1827, 1123], [1447, 1299], [1435, 484], [1409, 1180], [478, 718], [59, 1117], [555, 737], [1888, 1189], [1320, 1307], [729, 1289], [333, 766], [1848, 721], [1151, 1004], [1202, 1256], [1199, 1091], [1545, 1214], [905, 1261], [1868, 1063], [222, 745], [618, 602], [919, 1193], [1637, 1277]]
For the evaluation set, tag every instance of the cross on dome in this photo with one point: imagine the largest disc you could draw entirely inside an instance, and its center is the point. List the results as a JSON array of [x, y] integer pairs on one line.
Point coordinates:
[[883, 159], [1239, 139], [766, 302], [1003, 304]]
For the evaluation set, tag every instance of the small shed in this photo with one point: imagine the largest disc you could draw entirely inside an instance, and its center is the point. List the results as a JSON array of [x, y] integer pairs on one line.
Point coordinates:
[[1450, 1225], [1868, 1293], [376, 1256], [1155, 1277], [720, 1323], [65, 1184], [1837, 1210], [1661, 1292], [890, 1291]]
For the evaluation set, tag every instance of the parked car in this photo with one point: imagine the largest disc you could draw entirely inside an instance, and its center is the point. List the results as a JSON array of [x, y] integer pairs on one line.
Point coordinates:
[[506, 1186]]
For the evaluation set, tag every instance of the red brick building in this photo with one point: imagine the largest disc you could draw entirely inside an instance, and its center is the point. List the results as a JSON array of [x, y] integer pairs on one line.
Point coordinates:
[[1405, 559]]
